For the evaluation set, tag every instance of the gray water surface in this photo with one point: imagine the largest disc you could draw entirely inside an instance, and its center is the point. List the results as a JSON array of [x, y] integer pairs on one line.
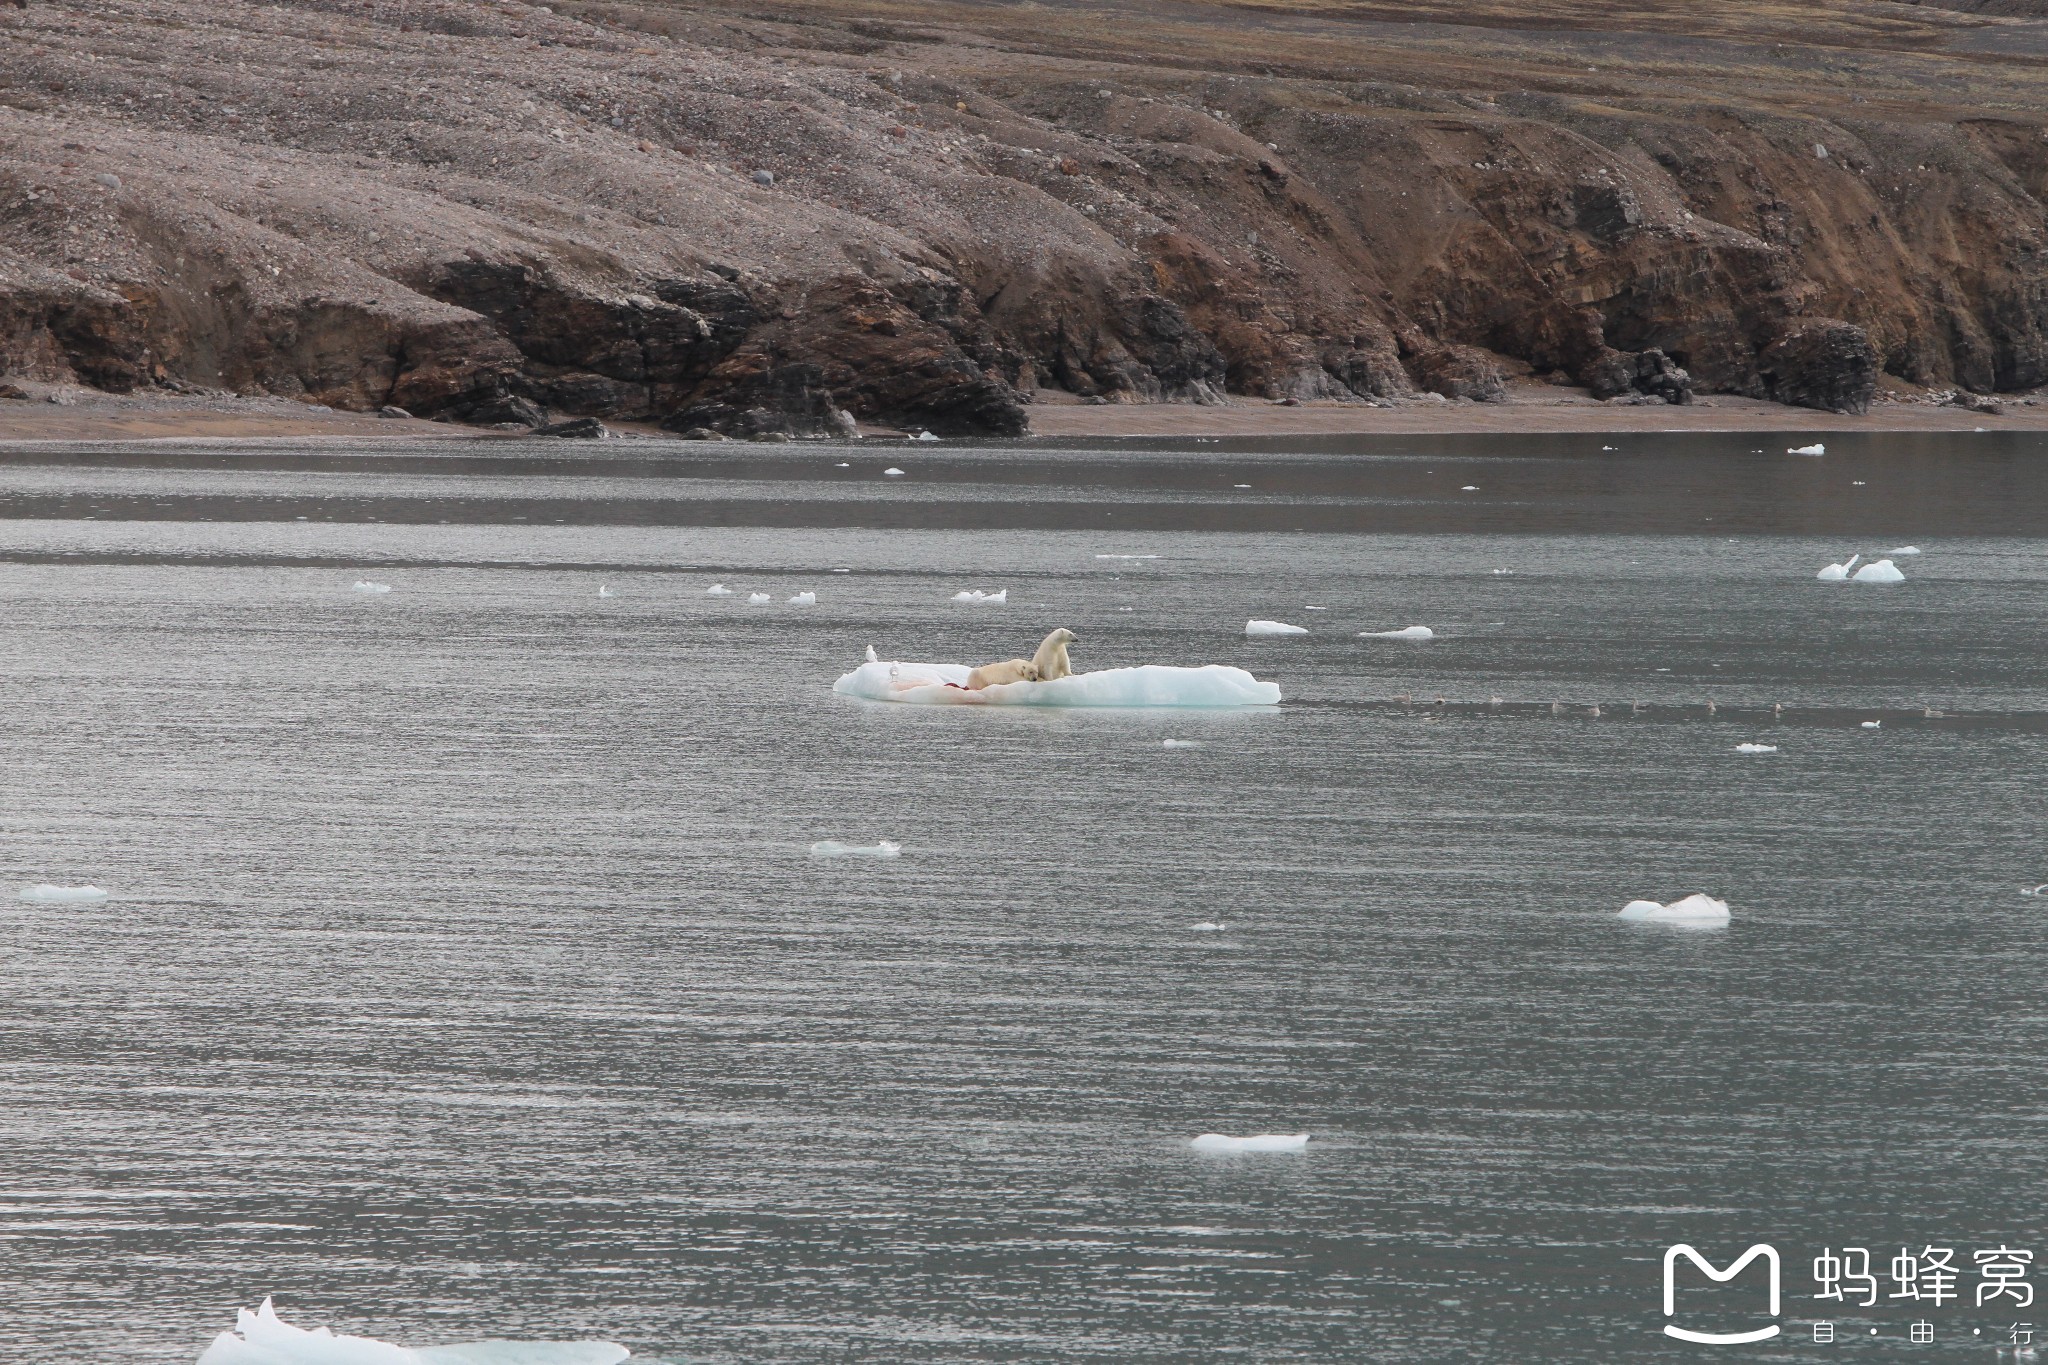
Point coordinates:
[[466, 973]]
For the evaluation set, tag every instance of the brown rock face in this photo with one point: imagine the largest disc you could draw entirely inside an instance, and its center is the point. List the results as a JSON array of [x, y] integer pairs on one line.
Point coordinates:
[[777, 223]]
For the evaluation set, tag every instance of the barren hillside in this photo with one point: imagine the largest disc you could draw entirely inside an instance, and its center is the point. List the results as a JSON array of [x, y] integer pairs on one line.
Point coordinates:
[[922, 212]]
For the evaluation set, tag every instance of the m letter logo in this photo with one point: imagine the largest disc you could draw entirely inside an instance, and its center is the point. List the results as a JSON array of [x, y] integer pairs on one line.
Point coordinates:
[[1770, 1257]]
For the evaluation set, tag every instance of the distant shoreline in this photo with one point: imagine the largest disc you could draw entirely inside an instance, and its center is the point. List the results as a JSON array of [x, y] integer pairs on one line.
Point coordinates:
[[93, 417]]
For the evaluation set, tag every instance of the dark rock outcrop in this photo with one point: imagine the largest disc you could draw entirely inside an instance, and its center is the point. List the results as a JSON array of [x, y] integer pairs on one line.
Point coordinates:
[[1821, 364]]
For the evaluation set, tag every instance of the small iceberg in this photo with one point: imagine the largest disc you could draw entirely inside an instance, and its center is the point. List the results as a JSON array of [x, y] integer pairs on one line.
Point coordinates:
[[365, 585], [59, 895], [1213, 685], [1209, 926], [1408, 633], [1694, 909], [1884, 571], [1815, 449], [832, 848], [1756, 748], [804, 599], [718, 590], [1262, 1142], [262, 1338], [1873, 724], [1835, 573], [758, 598], [1905, 550], [980, 598], [893, 472], [1256, 627]]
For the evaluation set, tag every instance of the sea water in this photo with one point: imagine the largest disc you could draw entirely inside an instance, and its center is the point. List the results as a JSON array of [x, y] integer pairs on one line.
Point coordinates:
[[468, 974]]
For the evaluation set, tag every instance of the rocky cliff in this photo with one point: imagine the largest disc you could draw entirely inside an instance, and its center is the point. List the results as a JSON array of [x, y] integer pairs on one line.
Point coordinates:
[[929, 213]]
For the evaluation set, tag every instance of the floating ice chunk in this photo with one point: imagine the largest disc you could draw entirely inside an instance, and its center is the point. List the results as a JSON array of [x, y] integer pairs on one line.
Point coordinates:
[[1262, 1142], [365, 585], [1209, 926], [843, 464], [1756, 748], [1815, 449], [55, 895], [1503, 572], [1873, 724], [1835, 573], [804, 599], [922, 436], [758, 598], [1240, 485], [1256, 627], [1905, 550], [262, 1338], [1469, 488], [1127, 556], [1694, 909], [832, 848], [1884, 571], [1180, 744], [976, 595], [1148, 685], [1608, 447], [718, 590], [1407, 633], [893, 472]]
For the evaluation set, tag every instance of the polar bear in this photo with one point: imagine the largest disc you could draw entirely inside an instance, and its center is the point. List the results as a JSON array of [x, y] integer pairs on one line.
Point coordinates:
[[1051, 658], [1009, 671]]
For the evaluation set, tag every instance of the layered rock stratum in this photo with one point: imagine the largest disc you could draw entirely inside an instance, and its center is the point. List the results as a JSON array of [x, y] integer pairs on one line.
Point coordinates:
[[783, 218]]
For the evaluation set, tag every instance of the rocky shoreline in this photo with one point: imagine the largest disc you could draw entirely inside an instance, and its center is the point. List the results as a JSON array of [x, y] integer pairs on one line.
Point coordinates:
[[507, 215]]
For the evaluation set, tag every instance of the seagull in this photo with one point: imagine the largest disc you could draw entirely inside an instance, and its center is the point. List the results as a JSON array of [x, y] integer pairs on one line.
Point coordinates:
[[1635, 708], [873, 657], [2034, 890], [1594, 709], [1711, 708], [1493, 701], [605, 591], [1777, 708], [1557, 708]]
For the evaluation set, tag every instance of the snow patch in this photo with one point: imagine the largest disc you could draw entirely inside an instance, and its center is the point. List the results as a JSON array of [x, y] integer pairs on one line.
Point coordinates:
[[1257, 627], [262, 1338], [1694, 909], [1148, 685], [57, 895], [1260, 1142]]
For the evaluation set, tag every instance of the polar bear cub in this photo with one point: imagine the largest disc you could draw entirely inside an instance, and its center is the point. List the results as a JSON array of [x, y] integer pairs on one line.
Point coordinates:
[[1051, 658]]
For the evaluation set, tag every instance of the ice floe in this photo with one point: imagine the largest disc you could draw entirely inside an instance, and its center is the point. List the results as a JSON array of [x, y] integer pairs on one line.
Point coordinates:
[[1147, 685], [1259, 1142], [1873, 724], [1179, 744], [757, 598], [1209, 926], [718, 590], [1469, 488], [1756, 748], [893, 472], [922, 436], [832, 848], [1694, 909], [365, 585], [1407, 633], [1257, 627], [262, 1338], [56, 895], [1835, 573], [980, 598], [1905, 550], [1127, 556], [1884, 571], [804, 599], [1815, 449]]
